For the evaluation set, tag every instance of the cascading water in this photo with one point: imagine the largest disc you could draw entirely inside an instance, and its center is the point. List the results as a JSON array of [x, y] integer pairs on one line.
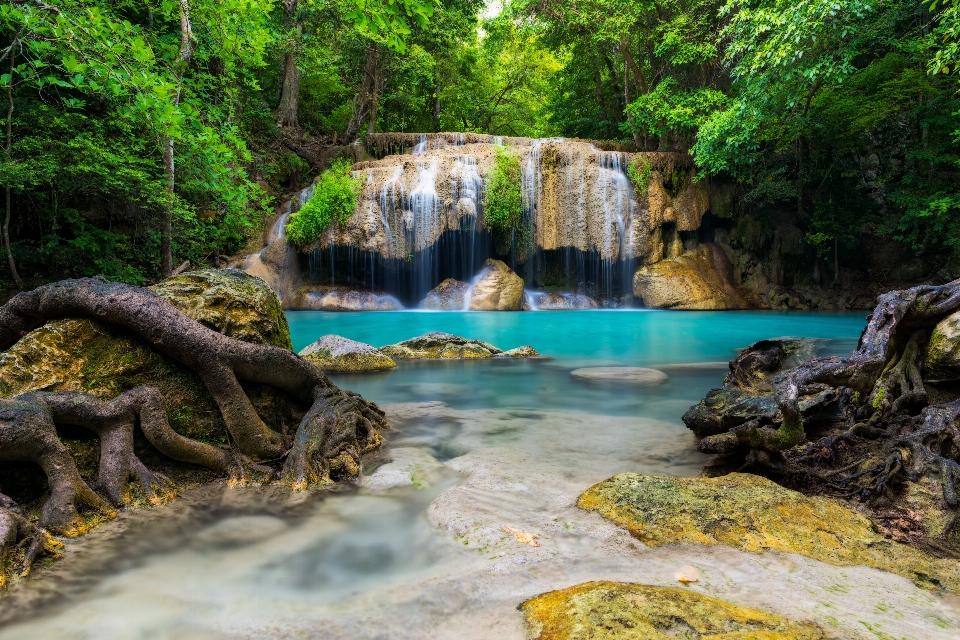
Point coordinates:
[[420, 219]]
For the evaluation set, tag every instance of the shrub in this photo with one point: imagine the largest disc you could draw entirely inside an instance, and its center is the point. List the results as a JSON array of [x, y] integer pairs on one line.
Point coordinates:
[[639, 172], [334, 199], [502, 202]]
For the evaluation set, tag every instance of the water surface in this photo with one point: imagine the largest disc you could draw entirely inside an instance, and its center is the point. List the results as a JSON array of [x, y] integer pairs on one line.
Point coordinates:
[[420, 550]]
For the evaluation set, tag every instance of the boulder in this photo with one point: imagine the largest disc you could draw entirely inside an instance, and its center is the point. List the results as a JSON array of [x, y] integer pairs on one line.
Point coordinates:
[[336, 353], [231, 302], [93, 357], [447, 345], [755, 514], [942, 361], [612, 610], [449, 295], [697, 279], [629, 375], [496, 288]]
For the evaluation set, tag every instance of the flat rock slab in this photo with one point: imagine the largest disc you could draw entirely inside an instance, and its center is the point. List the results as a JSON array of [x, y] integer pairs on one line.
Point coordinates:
[[629, 375]]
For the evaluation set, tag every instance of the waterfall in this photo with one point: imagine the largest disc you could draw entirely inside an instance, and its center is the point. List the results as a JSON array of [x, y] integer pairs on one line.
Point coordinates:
[[419, 219]]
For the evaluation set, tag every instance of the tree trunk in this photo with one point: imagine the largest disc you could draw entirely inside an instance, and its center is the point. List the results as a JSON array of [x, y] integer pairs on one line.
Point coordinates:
[[290, 91], [6, 218], [365, 103], [169, 164], [436, 106]]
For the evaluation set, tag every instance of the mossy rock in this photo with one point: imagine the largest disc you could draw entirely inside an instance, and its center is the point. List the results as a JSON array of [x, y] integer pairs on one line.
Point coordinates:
[[622, 611], [336, 353], [231, 302], [440, 345], [755, 514], [106, 360]]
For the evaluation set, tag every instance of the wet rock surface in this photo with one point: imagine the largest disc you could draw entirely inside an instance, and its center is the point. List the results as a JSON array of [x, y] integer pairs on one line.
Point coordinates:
[[616, 610], [336, 353], [496, 288], [755, 514], [449, 295], [747, 391]]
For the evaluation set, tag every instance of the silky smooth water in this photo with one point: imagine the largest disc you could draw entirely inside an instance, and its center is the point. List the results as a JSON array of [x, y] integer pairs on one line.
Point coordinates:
[[420, 549]]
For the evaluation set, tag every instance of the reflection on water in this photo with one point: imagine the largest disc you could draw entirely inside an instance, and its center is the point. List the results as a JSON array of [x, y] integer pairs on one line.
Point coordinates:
[[420, 550]]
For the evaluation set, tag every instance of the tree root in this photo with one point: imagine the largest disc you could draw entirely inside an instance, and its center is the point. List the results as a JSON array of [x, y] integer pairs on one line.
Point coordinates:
[[338, 429], [16, 531]]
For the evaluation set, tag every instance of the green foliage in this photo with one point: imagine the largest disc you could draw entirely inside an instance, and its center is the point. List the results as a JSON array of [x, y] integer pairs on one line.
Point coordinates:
[[639, 172], [502, 200], [334, 199]]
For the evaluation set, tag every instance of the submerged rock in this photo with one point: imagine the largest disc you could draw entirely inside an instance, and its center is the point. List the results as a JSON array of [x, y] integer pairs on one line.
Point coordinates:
[[698, 279], [497, 288], [447, 345], [755, 514], [449, 295], [336, 353], [631, 375], [614, 610], [942, 361]]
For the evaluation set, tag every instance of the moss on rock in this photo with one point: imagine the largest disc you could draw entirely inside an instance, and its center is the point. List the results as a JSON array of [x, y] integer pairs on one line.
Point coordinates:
[[608, 610], [231, 302], [104, 360], [755, 514], [336, 353]]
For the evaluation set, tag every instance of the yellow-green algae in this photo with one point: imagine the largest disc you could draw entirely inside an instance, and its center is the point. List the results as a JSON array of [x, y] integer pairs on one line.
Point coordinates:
[[622, 611], [755, 514]]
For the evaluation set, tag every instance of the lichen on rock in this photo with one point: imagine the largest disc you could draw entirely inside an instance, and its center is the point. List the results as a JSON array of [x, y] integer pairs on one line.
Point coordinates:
[[616, 610], [755, 514], [336, 353]]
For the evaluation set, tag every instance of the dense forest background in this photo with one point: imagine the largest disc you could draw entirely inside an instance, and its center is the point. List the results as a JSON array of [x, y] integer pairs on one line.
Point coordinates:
[[140, 134]]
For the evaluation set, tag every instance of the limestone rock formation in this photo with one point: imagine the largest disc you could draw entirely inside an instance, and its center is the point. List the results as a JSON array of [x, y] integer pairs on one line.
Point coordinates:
[[698, 279], [340, 299], [942, 361], [449, 295], [616, 610], [755, 514], [496, 288], [447, 345], [336, 353]]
